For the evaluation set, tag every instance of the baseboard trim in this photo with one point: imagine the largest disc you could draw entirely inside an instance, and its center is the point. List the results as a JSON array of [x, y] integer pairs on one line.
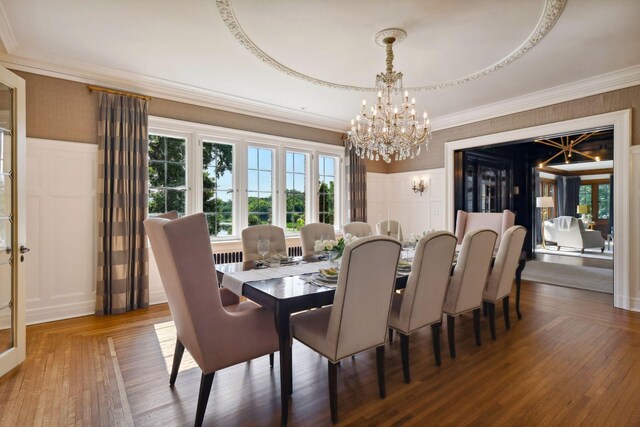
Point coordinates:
[[157, 297], [627, 303], [60, 312]]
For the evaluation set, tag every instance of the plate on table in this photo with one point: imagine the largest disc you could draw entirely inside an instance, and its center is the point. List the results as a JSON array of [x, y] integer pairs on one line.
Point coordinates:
[[404, 266], [319, 279], [329, 274]]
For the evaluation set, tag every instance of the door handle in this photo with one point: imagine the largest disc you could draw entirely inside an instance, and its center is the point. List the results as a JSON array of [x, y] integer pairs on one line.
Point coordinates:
[[24, 249]]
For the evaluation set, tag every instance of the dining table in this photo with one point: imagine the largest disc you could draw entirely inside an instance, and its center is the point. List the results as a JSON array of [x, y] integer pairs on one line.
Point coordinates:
[[290, 288]]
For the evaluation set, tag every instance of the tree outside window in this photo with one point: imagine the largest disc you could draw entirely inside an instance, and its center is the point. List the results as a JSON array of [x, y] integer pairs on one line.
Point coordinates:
[[296, 165], [260, 192], [167, 174], [326, 192], [217, 187]]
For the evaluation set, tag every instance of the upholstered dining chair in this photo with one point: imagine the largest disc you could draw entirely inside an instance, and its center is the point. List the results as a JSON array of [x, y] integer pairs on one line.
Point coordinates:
[[468, 280], [216, 335], [421, 303], [358, 229], [251, 235], [498, 222], [393, 229], [502, 275], [312, 232], [167, 215], [357, 320]]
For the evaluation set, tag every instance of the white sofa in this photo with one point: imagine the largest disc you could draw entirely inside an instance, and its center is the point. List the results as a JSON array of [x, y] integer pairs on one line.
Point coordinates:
[[567, 231]]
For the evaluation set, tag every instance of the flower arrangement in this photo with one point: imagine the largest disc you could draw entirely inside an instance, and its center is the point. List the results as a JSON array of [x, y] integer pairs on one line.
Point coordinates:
[[334, 246]]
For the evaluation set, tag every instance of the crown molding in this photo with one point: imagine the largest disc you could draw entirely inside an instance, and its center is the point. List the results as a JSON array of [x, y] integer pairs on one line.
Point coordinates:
[[173, 91], [166, 89], [6, 33], [602, 83]]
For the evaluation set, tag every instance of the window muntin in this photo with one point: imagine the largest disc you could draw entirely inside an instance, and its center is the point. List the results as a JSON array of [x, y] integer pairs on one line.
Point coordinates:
[[167, 174], [260, 185], [217, 187], [327, 189], [295, 190]]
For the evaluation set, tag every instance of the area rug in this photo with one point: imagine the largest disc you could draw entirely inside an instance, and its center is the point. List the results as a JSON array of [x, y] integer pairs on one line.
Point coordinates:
[[588, 278], [588, 253]]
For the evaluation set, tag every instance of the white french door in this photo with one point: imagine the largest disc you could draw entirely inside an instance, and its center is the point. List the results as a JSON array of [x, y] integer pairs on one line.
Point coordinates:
[[12, 221]]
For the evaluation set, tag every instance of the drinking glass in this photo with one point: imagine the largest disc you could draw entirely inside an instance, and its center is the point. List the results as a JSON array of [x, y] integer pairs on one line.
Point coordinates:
[[263, 247]]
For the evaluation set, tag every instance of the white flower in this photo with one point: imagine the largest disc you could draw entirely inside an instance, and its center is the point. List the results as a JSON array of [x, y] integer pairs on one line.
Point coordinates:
[[329, 246]]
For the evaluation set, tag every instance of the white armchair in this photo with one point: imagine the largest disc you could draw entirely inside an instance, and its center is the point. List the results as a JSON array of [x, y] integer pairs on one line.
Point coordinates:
[[569, 232]]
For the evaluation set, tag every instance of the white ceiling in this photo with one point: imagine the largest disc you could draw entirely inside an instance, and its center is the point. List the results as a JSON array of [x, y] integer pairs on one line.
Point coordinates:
[[183, 50]]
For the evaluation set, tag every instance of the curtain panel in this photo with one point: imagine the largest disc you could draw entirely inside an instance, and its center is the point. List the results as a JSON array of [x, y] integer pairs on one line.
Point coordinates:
[[568, 188], [357, 195], [123, 271]]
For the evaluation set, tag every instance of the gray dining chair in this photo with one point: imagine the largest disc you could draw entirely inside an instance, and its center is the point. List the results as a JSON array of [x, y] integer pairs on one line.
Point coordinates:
[[468, 280], [358, 229], [312, 232], [421, 302], [357, 320], [389, 228], [502, 275], [216, 335], [251, 236]]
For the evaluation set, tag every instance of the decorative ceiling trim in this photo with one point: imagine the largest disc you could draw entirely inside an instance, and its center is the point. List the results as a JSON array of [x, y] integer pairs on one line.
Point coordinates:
[[6, 33], [550, 15]]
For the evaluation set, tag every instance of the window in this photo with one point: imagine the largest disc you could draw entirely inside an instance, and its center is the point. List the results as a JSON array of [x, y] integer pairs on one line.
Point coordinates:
[[217, 187], [326, 189], [548, 189], [295, 191], [167, 174], [260, 188], [238, 179], [596, 195]]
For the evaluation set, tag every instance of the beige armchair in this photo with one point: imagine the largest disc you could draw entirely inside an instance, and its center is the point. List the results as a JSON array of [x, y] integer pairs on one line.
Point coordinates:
[[216, 336], [312, 232], [468, 281], [358, 319], [498, 222], [251, 235], [389, 228], [421, 303], [358, 229], [502, 275], [569, 232]]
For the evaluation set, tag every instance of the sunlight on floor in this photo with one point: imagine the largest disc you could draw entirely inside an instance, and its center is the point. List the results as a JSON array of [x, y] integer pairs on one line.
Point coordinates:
[[166, 335]]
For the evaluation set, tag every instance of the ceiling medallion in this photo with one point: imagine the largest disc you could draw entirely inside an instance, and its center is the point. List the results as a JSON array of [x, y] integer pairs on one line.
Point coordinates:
[[550, 15], [389, 130]]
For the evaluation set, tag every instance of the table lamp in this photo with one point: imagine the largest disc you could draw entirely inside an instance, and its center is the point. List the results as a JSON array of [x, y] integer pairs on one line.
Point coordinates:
[[544, 203], [584, 210]]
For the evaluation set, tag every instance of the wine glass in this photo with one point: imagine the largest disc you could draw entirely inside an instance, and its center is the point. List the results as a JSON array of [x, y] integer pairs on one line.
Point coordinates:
[[263, 248], [324, 253]]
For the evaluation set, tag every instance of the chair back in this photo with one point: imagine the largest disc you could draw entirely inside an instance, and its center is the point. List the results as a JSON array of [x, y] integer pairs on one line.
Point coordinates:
[[428, 281], [392, 227], [251, 235], [470, 273], [505, 265], [183, 253], [498, 222], [362, 301], [167, 215], [358, 229], [312, 232]]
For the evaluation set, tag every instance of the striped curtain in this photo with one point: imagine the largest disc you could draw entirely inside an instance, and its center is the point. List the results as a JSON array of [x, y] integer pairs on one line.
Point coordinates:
[[357, 176], [123, 270]]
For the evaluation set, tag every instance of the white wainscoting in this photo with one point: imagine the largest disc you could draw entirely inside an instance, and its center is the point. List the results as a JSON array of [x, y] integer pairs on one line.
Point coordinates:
[[61, 212], [391, 194], [634, 232]]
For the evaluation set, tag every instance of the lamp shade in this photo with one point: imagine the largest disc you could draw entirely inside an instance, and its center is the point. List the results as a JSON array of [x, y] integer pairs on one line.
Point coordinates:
[[583, 209], [544, 202]]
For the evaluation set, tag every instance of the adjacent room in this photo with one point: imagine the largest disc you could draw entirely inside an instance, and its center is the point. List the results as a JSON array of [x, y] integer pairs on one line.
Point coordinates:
[[252, 213]]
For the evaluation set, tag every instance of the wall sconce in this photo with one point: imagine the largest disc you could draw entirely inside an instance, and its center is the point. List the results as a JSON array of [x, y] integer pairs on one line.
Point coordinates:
[[418, 186]]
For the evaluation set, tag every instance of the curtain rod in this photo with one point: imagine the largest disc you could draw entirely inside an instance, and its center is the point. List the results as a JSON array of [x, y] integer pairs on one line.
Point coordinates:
[[118, 92]]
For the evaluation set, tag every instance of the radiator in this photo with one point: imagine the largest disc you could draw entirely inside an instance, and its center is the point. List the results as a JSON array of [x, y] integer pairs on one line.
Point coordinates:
[[236, 256]]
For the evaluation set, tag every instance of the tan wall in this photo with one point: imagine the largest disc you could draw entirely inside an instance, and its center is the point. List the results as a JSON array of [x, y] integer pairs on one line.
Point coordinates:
[[592, 105], [66, 110]]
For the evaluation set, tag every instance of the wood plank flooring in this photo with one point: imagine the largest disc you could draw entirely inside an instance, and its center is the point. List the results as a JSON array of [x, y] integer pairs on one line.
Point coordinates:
[[572, 359]]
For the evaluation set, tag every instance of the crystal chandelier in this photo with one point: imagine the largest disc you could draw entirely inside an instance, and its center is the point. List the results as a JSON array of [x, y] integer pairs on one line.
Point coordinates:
[[388, 130]]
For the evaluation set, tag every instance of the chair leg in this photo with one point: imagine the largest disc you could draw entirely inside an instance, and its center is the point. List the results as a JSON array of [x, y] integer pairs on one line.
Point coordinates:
[[177, 358], [271, 360], [505, 309], [333, 390], [203, 397], [404, 350], [380, 366], [450, 333], [476, 325], [485, 308], [492, 320], [390, 335], [435, 336]]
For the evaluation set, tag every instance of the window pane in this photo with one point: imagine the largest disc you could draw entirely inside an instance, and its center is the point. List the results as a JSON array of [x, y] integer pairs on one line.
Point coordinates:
[[295, 191], [604, 195], [585, 196], [326, 191], [260, 175], [218, 192], [167, 174]]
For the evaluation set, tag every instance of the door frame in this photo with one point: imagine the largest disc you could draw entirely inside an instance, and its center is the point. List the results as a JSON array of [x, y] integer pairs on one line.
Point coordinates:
[[621, 122], [16, 355]]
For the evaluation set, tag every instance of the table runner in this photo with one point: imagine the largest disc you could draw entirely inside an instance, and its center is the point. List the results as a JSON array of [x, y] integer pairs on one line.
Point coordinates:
[[234, 281]]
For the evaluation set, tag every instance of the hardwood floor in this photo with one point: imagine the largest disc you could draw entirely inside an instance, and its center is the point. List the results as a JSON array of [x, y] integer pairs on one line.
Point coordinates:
[[571, 359]]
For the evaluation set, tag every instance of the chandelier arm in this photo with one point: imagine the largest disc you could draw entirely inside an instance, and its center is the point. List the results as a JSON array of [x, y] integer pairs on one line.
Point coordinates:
[[588, 156], [552, 157], [550, 143]]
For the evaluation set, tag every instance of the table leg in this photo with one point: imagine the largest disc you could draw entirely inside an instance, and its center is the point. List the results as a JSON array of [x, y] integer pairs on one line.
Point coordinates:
[[521, 265], [282, 326]]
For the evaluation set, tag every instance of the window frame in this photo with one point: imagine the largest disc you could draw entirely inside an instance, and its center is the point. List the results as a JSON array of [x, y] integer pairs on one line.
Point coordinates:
[[197, 134], [595, 200]]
